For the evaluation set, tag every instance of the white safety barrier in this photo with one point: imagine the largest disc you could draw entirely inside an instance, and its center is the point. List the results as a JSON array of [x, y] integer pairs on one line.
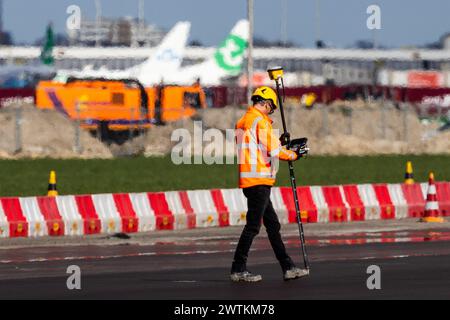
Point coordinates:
[[73, 221], [237, 205], [4, 225], [371, 205], [37, 227], [108, 213], [399, 201], [323, 212], [177, 209], [144, 212], [203, 205], [279, 206]]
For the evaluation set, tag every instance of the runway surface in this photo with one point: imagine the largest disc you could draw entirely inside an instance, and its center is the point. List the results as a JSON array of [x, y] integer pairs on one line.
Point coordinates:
[[414, 263]]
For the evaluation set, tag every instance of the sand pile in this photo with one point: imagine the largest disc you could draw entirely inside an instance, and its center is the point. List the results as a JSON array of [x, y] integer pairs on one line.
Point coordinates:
[[6, 133], [342, 130], [339, 129], [46, 134]]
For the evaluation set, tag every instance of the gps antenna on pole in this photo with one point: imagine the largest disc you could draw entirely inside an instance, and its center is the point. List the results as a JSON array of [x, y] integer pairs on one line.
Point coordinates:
[[276, 74]]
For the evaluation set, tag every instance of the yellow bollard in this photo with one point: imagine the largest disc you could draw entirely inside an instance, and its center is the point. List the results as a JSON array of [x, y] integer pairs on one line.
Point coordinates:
[[52, 192], [409, 177]]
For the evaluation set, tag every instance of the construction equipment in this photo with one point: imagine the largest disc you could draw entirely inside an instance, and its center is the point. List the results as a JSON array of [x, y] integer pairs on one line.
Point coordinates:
[[120, 104], [276, 74]]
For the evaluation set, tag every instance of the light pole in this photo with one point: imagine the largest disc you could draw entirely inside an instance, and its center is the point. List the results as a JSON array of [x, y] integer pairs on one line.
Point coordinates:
[[140, 36], [250, 50], [141, 13], [318, 41], [98, 17], [284, 18]]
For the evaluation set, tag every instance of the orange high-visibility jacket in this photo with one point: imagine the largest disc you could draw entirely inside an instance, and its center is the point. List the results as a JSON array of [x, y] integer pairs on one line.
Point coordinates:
[[258, 148]]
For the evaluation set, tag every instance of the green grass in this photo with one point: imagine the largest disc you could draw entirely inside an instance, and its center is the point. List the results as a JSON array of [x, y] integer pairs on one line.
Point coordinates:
[[30, 177]]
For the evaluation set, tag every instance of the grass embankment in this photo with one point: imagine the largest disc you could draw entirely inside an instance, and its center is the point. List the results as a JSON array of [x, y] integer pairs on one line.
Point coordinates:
[[29, 177]]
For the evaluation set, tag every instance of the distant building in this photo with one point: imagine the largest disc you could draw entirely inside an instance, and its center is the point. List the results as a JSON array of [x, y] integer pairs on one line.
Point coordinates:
[[127, 32]]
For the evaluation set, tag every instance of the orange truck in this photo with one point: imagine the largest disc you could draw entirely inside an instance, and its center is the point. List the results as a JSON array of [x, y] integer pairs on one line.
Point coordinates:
[[121, 104]]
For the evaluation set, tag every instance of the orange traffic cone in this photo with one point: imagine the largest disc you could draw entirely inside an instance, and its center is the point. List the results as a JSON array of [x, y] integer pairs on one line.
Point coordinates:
[[431, 213]]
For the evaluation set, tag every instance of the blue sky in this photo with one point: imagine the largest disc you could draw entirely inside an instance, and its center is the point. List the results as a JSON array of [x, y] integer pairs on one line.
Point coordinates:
[[413, 22]]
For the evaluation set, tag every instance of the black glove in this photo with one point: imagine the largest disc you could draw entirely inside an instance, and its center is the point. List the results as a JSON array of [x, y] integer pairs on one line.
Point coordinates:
[[284, 138], [299, 146]]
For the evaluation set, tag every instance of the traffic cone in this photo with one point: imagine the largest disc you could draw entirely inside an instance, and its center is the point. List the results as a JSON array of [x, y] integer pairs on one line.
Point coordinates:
[[431, 213], [409, 177], [52, 192]]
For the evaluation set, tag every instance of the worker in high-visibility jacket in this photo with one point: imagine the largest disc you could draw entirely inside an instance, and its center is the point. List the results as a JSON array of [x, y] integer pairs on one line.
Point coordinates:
[[259, 149]]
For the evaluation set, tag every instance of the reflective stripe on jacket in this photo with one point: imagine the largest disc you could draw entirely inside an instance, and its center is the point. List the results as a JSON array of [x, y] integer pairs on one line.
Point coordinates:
[[258, 149]]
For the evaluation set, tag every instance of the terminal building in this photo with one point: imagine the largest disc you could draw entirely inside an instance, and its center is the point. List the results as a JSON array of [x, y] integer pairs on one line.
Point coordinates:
[[337, 66]]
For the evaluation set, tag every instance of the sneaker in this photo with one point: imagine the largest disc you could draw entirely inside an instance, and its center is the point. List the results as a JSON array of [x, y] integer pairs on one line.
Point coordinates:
[[245, 276], [295, 273]]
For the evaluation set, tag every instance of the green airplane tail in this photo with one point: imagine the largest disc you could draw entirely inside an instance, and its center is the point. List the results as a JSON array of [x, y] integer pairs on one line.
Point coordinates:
[[47, 49]]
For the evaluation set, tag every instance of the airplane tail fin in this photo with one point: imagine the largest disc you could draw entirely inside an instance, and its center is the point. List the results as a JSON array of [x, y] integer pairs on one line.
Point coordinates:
[[170, 52], [47, 48], [229, 56]]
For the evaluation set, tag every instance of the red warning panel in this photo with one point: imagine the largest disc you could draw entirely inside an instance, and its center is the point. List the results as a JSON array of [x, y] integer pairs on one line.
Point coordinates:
[[308, 210], [86, 208], [50, 211], [191, 219], [288, 199], [130, 222], [338, 210], [443, 197], [384, 199], [222, 210], [164, 217], [18, 225], [357, 211], [415, 200]]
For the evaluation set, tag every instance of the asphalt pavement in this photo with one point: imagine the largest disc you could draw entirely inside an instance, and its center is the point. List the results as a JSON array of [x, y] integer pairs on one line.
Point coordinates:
[[414, 263]]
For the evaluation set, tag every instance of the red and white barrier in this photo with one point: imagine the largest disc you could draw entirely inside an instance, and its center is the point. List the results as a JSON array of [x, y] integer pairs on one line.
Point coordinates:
[[279, 205], [236, 203], [203, 205], [398, 200], [443, 195], [4, 225], [353, 201], [414, 198], [175, 210], [323, 212], [144, 212], [371, 206]]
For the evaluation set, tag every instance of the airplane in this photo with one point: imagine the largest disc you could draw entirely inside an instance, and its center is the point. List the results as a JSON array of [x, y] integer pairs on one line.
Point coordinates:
[[167, 58], [225, 62], [28, 75], [164, 65]]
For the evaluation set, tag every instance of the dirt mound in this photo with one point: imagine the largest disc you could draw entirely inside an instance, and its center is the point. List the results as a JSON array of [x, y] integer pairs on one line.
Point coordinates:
[[338, 129], [350, 145], [46, 133], [435, 145], [342, 129]]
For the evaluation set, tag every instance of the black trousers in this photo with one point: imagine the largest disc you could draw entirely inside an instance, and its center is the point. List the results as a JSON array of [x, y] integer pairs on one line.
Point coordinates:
[[260, 208]]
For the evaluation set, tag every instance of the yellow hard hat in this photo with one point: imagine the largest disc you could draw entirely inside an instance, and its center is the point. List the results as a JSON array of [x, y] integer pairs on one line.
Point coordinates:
[[265, 93]]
